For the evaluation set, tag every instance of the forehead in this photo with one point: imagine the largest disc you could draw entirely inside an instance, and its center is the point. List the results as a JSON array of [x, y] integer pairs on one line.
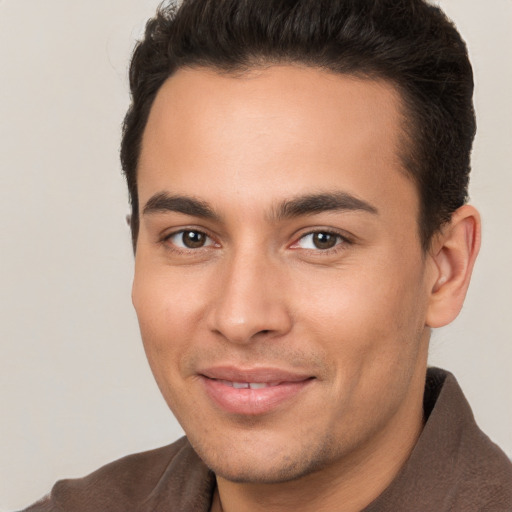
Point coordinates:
[[279, 131]]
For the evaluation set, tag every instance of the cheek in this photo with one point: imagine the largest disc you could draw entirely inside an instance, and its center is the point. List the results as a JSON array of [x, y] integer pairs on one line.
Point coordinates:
[[360, 312], [169, 313], [168, 321], [162, 294], [369, 325]]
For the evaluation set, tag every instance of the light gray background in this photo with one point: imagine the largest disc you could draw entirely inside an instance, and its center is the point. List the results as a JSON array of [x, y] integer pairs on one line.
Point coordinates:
[[75, 389]]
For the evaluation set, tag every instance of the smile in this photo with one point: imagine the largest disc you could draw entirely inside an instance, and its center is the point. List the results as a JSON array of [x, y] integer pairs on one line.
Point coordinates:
[[249, 385], [252, 392]]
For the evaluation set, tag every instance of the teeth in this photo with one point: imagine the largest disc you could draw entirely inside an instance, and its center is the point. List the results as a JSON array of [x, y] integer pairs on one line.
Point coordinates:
[[258, 385], [240, 385], [248, 385]]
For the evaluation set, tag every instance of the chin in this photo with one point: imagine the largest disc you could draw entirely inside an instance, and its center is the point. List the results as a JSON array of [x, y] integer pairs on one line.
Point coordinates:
[[265, 466], [264, 474]]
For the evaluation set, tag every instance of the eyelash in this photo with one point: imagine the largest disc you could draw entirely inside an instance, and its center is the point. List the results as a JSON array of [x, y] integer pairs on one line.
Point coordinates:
[[165, 241], [341, 242]]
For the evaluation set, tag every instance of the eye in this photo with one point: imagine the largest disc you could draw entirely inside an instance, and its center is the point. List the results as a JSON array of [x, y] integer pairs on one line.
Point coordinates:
[[319, 240], [190, 239]]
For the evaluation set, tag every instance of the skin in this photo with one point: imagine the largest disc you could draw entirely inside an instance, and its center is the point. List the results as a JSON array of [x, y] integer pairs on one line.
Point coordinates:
[[355, 317]]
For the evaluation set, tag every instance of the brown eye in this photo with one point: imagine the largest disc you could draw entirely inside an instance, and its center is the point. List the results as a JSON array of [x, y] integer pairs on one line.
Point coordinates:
[[190, 239], [193, 239], [320, 240], [324, 240]]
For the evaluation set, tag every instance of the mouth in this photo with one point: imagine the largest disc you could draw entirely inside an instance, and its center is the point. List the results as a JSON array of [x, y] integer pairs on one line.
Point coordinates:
[[252, 392], [249, 385]]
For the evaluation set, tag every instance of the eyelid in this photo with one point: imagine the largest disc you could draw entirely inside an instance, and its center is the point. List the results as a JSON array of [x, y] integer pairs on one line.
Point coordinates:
[[166, 239], [343, 240]]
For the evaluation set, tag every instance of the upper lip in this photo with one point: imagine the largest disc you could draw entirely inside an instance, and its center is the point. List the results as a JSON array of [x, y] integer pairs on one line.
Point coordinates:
[[233, 374]]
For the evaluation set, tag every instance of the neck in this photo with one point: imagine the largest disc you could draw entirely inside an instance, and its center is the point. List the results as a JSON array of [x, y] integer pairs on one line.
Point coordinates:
[[355, 481]]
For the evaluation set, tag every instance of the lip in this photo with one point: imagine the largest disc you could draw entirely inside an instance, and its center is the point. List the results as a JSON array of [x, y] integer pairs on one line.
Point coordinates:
[[283, 386]]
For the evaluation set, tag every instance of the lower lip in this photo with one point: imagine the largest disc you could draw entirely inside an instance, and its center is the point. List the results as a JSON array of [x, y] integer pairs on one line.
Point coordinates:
[[252, 402]]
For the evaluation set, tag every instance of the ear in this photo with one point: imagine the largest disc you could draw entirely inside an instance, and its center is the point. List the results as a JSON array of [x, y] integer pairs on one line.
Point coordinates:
[[453, 254]]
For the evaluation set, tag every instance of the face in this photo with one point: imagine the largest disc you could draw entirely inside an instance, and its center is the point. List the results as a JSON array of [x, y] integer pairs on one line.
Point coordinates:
[[280, 285]]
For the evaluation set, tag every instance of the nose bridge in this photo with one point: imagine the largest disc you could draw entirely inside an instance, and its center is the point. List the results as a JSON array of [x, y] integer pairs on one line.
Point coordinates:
[[249, 300]]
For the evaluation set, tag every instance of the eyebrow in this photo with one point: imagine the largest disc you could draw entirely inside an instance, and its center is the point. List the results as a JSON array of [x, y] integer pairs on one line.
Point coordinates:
[[309, 204], [312, 204], [164, 202]]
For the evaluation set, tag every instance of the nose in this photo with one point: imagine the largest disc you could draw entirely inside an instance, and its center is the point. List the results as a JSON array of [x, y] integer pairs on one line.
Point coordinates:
[[250, 303]]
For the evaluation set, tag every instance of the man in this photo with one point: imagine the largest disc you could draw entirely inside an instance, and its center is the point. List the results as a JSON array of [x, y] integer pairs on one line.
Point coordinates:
[[298, 175]]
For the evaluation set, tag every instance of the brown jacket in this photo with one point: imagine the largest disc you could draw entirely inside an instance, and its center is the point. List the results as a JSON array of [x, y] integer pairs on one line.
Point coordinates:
[[454, 467]]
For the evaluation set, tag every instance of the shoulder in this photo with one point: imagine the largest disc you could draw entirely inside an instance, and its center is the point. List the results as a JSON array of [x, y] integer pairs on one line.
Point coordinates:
[[483, 474], [454, 466], [484, 479], [136, 482], [479, 472]]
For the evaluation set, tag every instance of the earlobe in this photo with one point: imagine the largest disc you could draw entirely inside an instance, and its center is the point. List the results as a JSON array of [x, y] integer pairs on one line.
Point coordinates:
[[454, 252]]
